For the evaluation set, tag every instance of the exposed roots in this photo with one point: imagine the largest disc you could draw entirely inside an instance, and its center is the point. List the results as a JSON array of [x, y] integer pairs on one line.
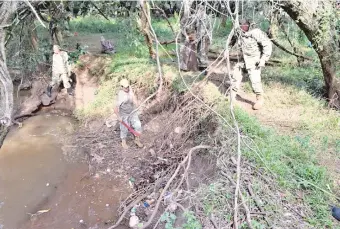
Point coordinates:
[[178, 180]]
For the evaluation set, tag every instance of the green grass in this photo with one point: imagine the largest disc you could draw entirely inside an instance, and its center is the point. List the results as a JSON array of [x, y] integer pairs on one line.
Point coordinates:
[[293, 159], [96, 24], [308, 78]]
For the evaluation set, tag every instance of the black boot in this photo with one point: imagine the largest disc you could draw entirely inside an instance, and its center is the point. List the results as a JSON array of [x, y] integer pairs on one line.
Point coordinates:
[[49, 91], [69, 91], [202, 68]]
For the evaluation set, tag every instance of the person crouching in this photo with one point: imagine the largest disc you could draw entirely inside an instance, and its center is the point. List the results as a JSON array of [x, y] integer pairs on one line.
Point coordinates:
[[125, 105]]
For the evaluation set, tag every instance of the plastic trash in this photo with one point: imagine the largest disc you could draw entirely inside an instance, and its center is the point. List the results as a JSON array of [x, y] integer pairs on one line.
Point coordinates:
[[151, 201], [336, 213], [133, 210], [131, 181], [172, 207], [134, 220], [167, 198]]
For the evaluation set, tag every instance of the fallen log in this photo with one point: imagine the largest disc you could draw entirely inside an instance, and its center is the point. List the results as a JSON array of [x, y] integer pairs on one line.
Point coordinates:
[[38, 97], [277, 44], [235, 58]]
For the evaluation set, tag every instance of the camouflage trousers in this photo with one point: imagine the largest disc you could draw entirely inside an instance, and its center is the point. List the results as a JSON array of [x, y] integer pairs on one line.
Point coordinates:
[[188, 57], [202, 52], [254, 75], [132, 121], [58, 78], [194, 55]]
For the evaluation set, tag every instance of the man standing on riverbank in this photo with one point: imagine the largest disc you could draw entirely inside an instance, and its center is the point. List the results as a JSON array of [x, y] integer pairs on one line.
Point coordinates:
[[126, 104], [61, 71]]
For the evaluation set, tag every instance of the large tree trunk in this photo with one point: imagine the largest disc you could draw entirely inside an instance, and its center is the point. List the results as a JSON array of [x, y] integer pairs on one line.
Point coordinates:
[[6, 85], [317, 20], [145, 26]]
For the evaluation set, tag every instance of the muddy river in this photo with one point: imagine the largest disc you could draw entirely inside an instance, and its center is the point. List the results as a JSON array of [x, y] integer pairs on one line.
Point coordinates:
[[42, 186]]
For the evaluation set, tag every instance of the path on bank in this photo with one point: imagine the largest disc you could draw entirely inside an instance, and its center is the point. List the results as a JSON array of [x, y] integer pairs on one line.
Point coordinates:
[[293, 112]]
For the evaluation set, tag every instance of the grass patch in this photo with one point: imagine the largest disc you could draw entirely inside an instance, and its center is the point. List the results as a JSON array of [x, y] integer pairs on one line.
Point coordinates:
[[96, 24], [123, 32], [308, 78], [292, 159]]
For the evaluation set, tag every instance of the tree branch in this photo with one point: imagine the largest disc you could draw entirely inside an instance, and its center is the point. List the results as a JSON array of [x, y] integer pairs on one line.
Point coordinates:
[[35, 13], [160, 75], [166, 18], [147, 224], [127, 208], [284, 49], [99, 10]]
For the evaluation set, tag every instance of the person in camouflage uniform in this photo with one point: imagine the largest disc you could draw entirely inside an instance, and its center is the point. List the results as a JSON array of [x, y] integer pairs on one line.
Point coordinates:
[[125, 105], [61, 71], [188, 58], [202, 36], [256, 50], [195, 36]]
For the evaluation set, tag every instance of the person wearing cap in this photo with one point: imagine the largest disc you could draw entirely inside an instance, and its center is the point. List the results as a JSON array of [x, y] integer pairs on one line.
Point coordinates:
[[107, 46], [125, 105], [256, 50], [61, 71]]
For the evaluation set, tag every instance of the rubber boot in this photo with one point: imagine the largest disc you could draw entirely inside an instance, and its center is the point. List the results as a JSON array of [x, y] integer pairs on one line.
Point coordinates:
[[69, 91], [49, 91], [233, 96], [124, 145], [138, 143], [259, 102]]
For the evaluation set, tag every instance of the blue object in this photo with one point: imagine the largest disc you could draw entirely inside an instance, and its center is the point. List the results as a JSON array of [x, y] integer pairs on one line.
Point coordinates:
[[336, 213], [309, 44], [146, 204]]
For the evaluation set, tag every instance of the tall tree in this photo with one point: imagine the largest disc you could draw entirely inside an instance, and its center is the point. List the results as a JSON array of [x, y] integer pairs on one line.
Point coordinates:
[[145, 18], [318, 21], [6, 85]]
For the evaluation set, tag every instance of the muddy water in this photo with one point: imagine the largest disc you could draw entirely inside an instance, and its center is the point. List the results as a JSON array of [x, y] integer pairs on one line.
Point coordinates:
[[35, 174]]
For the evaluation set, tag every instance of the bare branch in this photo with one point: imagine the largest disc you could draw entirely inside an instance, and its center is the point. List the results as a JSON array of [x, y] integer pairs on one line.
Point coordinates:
[[35, 13], [100, 12], [147, 224]]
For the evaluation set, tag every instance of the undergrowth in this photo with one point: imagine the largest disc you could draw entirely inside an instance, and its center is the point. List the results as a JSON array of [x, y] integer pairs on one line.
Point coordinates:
[[290, 159], [293, 161]]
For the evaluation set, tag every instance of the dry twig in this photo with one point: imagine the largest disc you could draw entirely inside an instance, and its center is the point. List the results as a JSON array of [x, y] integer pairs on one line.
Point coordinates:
[[147, 224]]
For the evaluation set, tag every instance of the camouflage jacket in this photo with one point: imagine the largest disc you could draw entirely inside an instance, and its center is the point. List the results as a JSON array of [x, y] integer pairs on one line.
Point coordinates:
[[255, 45], [203, 26], [60, 63]]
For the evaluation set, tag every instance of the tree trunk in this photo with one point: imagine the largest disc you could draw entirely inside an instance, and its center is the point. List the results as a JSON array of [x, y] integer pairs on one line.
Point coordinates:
[[317, 20], [6, 85], [145, 27]]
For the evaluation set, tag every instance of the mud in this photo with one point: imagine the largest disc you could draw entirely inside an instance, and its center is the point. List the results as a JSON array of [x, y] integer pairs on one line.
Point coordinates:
[[37, 173]]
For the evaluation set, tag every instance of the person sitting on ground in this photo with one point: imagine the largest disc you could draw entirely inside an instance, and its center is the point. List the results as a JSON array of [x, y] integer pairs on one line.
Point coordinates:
[[107, 46], [125, 105], [256, 48], [61, 71]]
